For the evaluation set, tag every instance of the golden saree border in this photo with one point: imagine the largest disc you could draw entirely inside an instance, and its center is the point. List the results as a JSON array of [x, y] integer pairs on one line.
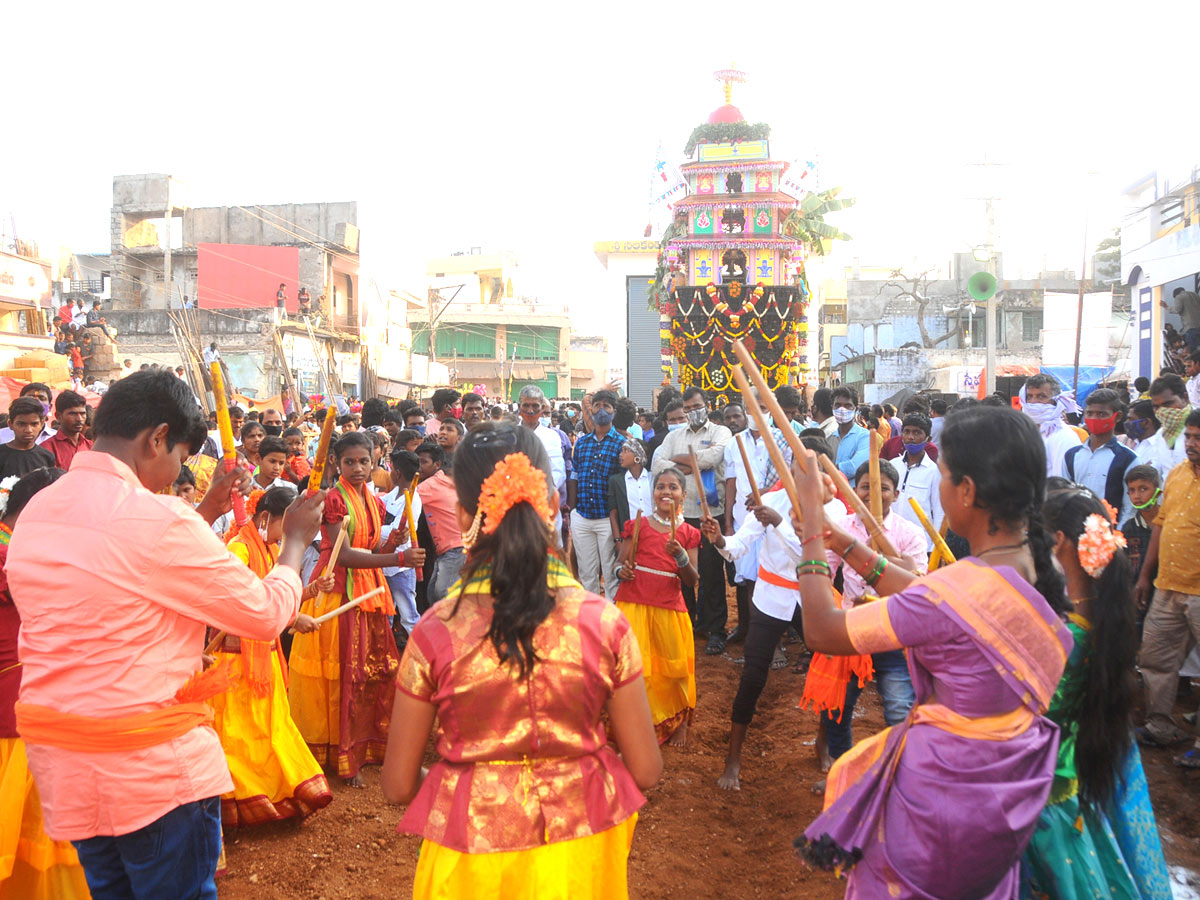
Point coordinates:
[[256, 655], [363, 533], [854, 764], [1002, 617]]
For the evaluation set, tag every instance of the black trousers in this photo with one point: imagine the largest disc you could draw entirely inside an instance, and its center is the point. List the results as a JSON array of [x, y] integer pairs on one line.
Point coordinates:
[[761, 640], [706, 603], [744, 590]]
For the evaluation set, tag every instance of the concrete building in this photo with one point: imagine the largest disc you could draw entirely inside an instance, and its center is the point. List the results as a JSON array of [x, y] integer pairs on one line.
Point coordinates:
[[628, 272], [1160, 253], [490, 335], [589, 364]]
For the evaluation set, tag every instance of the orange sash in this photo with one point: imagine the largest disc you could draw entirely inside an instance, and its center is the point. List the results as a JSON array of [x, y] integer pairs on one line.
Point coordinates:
[[778, 580], [829, 676], [256, 655], [89, 734], [363, 534]]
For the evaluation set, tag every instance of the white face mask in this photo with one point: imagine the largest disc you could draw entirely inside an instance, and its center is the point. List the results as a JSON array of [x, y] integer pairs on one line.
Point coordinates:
[[544, 420], [262, 532], [842, 415], [1042, 413], [675, 426]]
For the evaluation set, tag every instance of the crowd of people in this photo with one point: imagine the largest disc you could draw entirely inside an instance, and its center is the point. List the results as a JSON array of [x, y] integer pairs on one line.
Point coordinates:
[[528, 583]]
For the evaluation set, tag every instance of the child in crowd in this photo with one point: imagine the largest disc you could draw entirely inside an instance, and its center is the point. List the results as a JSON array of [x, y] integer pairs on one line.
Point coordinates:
[[272, 458], [402, 580], [185, 486], [651, 599], [629, 491], [21, 455], [297, 465], [274, 774], [1144, 486]]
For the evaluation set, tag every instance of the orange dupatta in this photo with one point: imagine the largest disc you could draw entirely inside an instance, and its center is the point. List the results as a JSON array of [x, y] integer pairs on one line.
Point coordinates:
[[366, 523], [256, 655]]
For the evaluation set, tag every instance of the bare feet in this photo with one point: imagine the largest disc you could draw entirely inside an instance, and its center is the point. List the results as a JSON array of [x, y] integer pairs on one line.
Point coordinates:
[[678, 738], [822, 748], [729, 780], [355, 782]]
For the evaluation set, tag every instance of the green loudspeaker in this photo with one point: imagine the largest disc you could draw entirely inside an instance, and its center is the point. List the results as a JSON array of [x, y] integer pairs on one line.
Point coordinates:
[[981, 285]]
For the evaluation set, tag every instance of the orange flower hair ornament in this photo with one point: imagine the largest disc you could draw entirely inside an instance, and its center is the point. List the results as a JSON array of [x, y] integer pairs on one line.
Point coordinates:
[[514, 480], [1098, 543]]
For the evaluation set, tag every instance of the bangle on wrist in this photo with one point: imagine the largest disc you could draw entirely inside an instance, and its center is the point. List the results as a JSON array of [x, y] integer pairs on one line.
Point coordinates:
[[877, 572], [682, 560], [809, 540], [813, 567], [845, 554]]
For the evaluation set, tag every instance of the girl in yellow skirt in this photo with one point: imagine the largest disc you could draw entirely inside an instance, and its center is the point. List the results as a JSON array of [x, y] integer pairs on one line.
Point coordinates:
[[274, 774], [32, 867], [652, 601], [518, 664]]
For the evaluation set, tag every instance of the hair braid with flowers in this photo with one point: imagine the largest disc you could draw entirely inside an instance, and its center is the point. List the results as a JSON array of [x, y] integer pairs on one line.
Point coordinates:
[[501, 476], [1100, 707]]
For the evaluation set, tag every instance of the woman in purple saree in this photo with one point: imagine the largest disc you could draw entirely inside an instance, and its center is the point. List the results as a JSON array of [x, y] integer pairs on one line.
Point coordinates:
[[943, 805]]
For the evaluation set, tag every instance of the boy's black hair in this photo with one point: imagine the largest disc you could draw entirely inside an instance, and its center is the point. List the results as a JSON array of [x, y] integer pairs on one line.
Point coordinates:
[[272, 444], [886, 470], [147, 399], [434, 451], [1143, 473]]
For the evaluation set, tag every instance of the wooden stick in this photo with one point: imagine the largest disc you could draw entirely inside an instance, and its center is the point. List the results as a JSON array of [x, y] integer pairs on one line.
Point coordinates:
[[767, 398], [784, 470], [346, 607], [317, 475], [876, 441], [637, 526], [674, 514], [860, 508], [940, 548], [228, 450], [704, 513], [749, 471]]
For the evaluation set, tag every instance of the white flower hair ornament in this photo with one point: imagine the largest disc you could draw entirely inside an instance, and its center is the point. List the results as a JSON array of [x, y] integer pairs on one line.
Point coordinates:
[[6, 487], [1098, 544]]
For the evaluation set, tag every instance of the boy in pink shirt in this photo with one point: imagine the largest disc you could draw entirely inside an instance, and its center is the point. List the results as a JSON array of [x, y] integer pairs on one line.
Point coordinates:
[[111, 709]]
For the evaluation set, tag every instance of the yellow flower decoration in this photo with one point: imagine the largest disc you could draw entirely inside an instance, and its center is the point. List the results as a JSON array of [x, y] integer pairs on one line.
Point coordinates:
[[514, 480], [1098, 543]]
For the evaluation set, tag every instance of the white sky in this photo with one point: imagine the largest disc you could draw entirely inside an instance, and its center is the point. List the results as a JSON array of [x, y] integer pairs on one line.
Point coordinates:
[[532, 127]]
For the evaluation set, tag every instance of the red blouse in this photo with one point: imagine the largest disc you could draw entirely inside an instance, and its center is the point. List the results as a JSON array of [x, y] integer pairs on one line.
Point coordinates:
[[660, 587]]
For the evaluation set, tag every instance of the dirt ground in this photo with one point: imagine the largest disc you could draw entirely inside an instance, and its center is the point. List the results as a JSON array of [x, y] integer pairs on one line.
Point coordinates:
[[692, 840]]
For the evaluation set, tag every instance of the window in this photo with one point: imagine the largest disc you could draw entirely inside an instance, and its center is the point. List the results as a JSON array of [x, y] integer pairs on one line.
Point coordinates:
[[1171, 214], [532, 342], [452, 341], [1031, 327], [833, 315]]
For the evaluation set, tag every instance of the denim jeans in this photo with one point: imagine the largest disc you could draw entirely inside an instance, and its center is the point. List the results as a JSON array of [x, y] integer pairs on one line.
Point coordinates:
[[446, 569], [404, 595], [174, 856], [895, 689]]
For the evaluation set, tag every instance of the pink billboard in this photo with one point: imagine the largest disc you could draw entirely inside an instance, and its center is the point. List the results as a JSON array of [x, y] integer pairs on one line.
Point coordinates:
[[241, 276]]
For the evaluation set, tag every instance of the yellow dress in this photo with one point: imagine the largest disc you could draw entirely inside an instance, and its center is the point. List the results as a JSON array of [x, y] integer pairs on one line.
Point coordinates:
[[32, 867], [274, 774]]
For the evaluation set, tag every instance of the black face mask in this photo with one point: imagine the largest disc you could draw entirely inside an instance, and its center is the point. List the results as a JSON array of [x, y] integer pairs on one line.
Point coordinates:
[[273, 430]]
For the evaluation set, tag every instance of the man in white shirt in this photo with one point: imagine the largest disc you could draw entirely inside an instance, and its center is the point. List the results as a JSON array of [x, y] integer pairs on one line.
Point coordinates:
[[708, 442], [79, 314], [211, 354], [1150, 448], [1042, 401], [530, 408], [1191, 368], [920, 478]]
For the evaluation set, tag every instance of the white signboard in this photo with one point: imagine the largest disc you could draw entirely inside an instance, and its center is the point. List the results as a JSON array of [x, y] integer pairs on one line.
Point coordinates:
[[1061, 325]]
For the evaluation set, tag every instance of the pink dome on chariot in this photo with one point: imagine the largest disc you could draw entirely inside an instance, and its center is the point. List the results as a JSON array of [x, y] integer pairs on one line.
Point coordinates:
[[725, 114]]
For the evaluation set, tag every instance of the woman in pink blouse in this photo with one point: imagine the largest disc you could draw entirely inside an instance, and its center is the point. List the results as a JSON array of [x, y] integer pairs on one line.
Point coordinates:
[[518, 664]]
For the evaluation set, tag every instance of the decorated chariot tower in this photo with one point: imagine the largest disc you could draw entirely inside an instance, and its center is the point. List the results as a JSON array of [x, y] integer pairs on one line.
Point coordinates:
[[731, 263]]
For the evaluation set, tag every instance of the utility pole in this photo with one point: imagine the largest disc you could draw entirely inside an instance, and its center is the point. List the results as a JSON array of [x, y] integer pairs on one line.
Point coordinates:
[[990, 310]]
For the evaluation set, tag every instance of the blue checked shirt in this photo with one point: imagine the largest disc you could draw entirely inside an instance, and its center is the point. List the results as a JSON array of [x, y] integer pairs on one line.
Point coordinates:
[[594, 461]]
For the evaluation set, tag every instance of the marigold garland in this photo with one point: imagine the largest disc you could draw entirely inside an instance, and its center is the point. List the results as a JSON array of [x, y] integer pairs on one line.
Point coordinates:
[[1098, 543], [514, 480]]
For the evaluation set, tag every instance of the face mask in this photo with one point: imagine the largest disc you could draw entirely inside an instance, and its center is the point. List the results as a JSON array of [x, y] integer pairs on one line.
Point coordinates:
[[457, 413], [45, 409], [697, 417], [602, 417], [1042, 413], [675, 426], [1170, 417], [1135, 429], [544, 421], [914, 449], [1149, 502], [273, 430], [419, 429], [262, 532], [1101, 426], [570, 413], [843, 416]]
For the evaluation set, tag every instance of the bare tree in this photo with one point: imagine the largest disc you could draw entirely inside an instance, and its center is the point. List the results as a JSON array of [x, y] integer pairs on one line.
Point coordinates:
[[916, 288]]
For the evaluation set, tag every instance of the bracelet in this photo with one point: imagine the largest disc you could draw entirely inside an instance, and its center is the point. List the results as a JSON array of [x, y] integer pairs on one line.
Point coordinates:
[[811, 539], [682, 560], [874, 576], [817, 566], [845, 554]]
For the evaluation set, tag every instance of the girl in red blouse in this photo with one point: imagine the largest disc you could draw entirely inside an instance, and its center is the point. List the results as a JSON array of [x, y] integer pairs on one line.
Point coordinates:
[[518, 664], [651, 598]]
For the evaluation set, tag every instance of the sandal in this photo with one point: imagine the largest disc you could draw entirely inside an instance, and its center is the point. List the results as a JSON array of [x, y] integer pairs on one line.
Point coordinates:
[[1147, 738], [780, 661], [1189, 760]]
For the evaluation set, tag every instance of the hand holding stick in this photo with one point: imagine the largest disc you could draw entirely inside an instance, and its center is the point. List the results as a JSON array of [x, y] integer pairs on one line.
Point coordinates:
[[346, 607], [317, 475], [785, 472], [228, 450], [766, 397], [749, 471], [704, 514]]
